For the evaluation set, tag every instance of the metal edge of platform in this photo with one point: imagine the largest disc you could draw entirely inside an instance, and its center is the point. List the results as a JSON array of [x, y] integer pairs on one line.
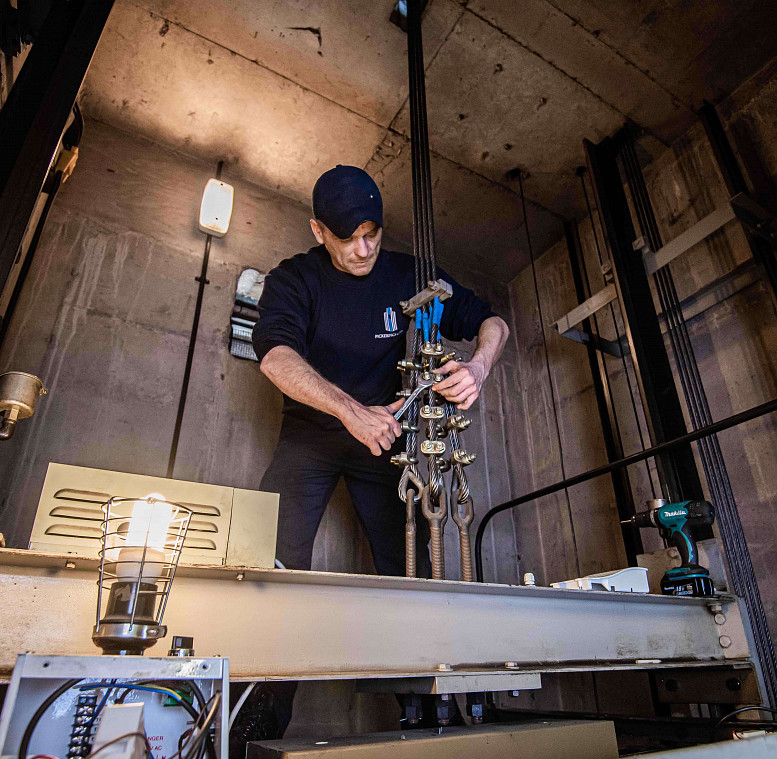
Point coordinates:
[[11, 557]]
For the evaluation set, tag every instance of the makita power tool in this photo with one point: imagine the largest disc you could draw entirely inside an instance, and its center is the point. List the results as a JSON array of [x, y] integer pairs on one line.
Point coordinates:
[[675, 523]]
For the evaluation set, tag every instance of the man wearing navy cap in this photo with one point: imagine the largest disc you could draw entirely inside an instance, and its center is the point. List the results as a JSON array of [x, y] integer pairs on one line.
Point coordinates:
[[329, 336]]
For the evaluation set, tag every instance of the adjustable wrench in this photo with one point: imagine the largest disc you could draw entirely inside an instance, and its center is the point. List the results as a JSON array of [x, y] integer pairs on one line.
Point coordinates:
[[423, 384]]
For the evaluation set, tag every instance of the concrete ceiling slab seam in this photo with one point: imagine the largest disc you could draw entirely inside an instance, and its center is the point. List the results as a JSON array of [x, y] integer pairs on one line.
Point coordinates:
[[478, 224], [346, 52], [556, 38], [663, 39], [524, 114], [182, 91]]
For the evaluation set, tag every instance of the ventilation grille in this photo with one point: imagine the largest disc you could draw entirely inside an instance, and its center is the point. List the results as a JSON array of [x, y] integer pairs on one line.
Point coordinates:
[[69, 516]]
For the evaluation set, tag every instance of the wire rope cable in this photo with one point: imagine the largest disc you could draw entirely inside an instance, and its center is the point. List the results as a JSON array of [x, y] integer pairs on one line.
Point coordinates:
[[713, 463], [547, 368], [626, 374]]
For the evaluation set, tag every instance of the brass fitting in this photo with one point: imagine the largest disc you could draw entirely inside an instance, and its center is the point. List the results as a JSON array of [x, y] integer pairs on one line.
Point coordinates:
[[457, 422], [402, 459], [432, 412], [433, 448], [462, 457]]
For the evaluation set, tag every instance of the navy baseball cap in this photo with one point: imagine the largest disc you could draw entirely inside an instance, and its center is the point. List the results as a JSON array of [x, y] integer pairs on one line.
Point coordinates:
[[344, 198]]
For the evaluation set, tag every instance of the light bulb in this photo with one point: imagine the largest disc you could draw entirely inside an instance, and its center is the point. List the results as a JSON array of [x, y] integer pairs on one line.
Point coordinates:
[[145, 540]]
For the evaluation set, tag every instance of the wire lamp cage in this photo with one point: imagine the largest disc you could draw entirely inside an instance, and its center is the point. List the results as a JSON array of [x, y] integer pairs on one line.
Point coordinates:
[[141, 544]]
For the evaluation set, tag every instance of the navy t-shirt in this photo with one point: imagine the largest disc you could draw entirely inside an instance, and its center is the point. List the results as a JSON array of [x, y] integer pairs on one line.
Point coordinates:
[[351, 329]]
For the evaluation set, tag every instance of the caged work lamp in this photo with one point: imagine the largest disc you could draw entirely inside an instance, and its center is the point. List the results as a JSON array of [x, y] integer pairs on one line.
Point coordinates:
[[142, 541]]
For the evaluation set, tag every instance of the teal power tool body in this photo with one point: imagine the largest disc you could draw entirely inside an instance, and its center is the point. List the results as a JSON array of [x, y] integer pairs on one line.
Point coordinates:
[[676, 523]]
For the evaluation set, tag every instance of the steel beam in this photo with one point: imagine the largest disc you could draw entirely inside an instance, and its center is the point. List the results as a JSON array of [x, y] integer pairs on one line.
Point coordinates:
[[35, 115], [736, 184], [624, 500], [285, 624], [685, 241], [663, 411]]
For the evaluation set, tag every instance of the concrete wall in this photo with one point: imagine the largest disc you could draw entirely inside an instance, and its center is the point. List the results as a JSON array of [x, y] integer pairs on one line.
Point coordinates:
[[104, 319], [731, 319]]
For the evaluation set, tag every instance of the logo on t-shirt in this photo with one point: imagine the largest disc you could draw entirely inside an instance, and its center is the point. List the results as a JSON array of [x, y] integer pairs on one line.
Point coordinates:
[[390, 319], [390, 323]]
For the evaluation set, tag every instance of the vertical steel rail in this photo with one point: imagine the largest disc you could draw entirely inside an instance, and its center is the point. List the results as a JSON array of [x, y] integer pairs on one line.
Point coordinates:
[[735, 183], [624, 501], [33, 118], [731, 532], [663, 412]]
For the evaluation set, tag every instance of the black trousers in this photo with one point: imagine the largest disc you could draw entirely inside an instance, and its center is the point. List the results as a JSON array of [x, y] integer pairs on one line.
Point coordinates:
[[306, 467]]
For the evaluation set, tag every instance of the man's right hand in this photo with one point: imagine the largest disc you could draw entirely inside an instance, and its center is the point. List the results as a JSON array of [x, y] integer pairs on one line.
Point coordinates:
[[374, 426]]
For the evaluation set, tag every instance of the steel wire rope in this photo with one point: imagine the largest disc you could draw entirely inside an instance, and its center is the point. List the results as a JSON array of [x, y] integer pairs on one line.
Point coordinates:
[[713, 463], [547, 366], [623, 356]]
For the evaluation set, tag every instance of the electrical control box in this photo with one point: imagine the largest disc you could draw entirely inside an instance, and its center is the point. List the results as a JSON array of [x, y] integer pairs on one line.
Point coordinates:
[[230, 526], [69, 725]]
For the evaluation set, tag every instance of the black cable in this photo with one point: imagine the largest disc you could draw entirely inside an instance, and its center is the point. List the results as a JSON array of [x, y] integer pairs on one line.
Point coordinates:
[[617, 335], [689, 437], [746, 709], [713, 463], [547, 367], [205, 727], [121, 738], [24, 744]]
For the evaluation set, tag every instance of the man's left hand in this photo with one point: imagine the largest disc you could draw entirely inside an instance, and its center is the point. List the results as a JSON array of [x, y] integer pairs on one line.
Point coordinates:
[[463, 383]]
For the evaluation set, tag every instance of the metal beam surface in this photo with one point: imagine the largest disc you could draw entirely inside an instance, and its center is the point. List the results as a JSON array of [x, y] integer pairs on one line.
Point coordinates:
[[285, 624], [685, 241], [586, 309], [663, 412]]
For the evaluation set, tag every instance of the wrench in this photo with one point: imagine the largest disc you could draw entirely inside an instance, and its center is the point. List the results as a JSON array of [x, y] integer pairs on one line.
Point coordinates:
[[423, 384]]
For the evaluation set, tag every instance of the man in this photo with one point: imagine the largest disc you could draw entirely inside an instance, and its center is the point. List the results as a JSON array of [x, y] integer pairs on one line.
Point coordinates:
[[329, 335]]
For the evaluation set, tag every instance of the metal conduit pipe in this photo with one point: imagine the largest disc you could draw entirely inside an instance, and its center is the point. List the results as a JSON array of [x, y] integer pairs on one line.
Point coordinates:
[[634, 458]]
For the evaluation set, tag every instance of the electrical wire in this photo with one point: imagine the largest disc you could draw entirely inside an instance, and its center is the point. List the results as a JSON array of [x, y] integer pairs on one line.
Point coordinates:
[[547, 367], [128, 687], [121, 738], [746, 709], [239, 705], [24, 744]]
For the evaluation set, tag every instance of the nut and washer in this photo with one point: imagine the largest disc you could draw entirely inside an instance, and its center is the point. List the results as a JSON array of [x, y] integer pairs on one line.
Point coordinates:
[[432, 412], [444, 668], [433, 448], [511, 665]]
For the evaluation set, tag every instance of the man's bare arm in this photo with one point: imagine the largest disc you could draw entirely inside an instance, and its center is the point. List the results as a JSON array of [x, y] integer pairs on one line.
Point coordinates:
[[374, 426], [464, 380]]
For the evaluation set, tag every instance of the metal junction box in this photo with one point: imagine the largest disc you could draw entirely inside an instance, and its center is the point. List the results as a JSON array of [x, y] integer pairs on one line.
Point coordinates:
[[35, 677]]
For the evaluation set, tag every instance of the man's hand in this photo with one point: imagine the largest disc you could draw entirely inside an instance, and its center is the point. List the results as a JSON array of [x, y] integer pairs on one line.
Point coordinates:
[[463, 383], [374, 426]]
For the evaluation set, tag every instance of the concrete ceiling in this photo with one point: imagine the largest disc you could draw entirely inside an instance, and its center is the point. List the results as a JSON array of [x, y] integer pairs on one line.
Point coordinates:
[[285, 89]]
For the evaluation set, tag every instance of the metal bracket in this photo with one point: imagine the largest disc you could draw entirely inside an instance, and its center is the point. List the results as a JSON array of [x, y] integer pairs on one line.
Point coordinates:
[[615, 348], [439, 289], [755, 217], [685, 241], [758, 219], [586, 309]]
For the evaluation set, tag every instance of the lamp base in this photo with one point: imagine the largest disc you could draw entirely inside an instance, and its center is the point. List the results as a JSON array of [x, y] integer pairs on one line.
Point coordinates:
[[122, 638]]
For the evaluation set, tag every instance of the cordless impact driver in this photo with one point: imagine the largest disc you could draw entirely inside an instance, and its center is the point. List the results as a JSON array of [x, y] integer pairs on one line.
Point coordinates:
[[676, 523]]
